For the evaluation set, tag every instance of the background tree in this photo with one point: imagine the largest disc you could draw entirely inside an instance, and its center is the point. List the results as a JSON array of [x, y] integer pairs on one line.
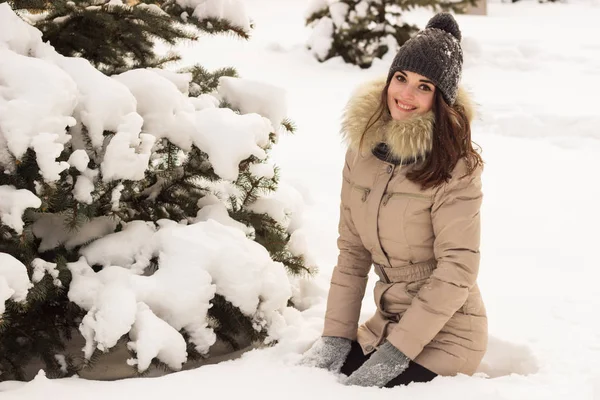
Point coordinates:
[[361, 30]]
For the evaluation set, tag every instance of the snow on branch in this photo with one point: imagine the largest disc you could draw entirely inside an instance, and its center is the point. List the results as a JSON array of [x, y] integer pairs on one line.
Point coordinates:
[[196, 262], [14, 282]]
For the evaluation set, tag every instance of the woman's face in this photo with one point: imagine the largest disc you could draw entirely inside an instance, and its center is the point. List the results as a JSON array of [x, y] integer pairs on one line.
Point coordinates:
[[409, 94]]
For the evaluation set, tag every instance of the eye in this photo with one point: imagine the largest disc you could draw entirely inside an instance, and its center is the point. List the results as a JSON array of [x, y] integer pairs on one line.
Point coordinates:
[[425, 88], [400, 78]]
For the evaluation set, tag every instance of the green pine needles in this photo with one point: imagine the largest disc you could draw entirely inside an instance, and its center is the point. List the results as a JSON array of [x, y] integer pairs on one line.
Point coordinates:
[[116, 39]]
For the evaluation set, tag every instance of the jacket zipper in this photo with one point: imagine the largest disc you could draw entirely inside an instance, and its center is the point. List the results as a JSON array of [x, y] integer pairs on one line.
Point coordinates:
[[385, 276], [404, 194], [363, 189]]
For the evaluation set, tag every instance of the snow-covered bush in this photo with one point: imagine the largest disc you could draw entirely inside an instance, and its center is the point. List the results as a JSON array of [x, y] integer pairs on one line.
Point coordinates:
[[135, 204]]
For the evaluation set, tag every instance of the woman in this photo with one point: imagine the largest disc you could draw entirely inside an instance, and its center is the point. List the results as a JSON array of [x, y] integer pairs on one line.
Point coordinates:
[[410, 201]]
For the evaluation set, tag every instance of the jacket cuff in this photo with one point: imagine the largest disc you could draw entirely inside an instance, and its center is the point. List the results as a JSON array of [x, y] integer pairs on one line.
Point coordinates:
[[407, 344], [338, 329]]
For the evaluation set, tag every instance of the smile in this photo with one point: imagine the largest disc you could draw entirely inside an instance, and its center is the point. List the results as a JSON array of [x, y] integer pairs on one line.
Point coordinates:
[[404, 107]]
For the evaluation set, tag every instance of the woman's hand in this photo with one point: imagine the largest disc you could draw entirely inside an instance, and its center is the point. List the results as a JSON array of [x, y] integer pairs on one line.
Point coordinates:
[[384, 365], [328, 352]]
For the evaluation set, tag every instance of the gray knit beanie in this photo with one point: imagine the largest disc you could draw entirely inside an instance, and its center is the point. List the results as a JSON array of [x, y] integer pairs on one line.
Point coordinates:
[[435, 53]]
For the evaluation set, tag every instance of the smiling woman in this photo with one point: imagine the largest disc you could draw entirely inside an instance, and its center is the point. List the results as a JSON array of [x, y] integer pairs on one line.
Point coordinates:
[[410, 204], [409, 94]]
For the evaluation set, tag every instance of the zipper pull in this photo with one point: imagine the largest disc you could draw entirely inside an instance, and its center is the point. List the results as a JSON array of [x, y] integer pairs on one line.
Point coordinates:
[[386, 199], [365, 194]]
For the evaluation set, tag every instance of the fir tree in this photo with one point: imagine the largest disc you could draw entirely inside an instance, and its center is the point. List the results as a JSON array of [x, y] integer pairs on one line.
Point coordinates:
[[117, 38], [361, 30]]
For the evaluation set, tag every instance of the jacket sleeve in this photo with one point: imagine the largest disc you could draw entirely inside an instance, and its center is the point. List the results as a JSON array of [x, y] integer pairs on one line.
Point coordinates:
[[456, 226], [349, 278]]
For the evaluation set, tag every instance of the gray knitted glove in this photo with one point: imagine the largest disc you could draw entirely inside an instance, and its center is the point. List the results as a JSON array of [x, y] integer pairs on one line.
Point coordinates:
[[384, 365], [328, 352]]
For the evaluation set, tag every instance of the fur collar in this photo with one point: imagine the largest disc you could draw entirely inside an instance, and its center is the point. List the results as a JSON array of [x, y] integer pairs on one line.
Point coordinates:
[[409, 139]]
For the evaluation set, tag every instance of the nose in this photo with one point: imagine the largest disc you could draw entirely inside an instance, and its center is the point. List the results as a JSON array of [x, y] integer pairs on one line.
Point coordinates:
[[407, 92]]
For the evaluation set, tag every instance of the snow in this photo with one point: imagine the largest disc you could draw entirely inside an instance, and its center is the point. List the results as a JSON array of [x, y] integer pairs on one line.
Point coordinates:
[[338, 12], [255, 97], [262, 170], [115, 196], [244, 273], [166, 111], [315, 6], [217, 211], [47, 151], [54, 231], [298, 246], [79, 159], [130, 248], [321, 38], [14, 282], [21, 38], [196, 262], [103, 104], [84, 186], [152, 337], [536, 89], [13, 202], [111, 316], [41, 98], [179, 293], [285, 206], [85, 284], [47, 93], [240, 136], [41, 267], [152, 8], [235, 271], [361, 8], [180, 80], [128, 152], [232, 10], [204, 101], [83, 190], [113, 297]]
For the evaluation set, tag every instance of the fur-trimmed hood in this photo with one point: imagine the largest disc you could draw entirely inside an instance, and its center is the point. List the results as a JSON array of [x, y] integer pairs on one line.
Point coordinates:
[[407, 139]]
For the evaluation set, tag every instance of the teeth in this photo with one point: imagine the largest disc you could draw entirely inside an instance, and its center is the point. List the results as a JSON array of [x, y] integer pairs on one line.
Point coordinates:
[[402, 106]]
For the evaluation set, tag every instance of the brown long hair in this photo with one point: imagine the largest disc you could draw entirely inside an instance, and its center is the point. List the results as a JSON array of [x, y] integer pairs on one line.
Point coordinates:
[[451, 141]]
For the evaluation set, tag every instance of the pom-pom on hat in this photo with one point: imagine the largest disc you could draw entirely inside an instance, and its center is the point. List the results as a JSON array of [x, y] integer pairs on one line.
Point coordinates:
[[435, 53]]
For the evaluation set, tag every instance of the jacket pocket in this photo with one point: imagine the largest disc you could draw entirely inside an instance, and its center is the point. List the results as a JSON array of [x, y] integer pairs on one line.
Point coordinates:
[[407, 219], [412, 288], [380, 289], [391, 299], [417, 224], [395, 195], [362, 190]]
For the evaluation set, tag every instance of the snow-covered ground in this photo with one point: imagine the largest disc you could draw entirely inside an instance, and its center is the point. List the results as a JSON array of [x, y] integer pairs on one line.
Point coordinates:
[[534, 70]]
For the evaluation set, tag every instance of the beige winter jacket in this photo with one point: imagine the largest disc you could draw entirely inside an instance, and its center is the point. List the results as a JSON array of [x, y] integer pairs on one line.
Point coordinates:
[[423, 244]]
